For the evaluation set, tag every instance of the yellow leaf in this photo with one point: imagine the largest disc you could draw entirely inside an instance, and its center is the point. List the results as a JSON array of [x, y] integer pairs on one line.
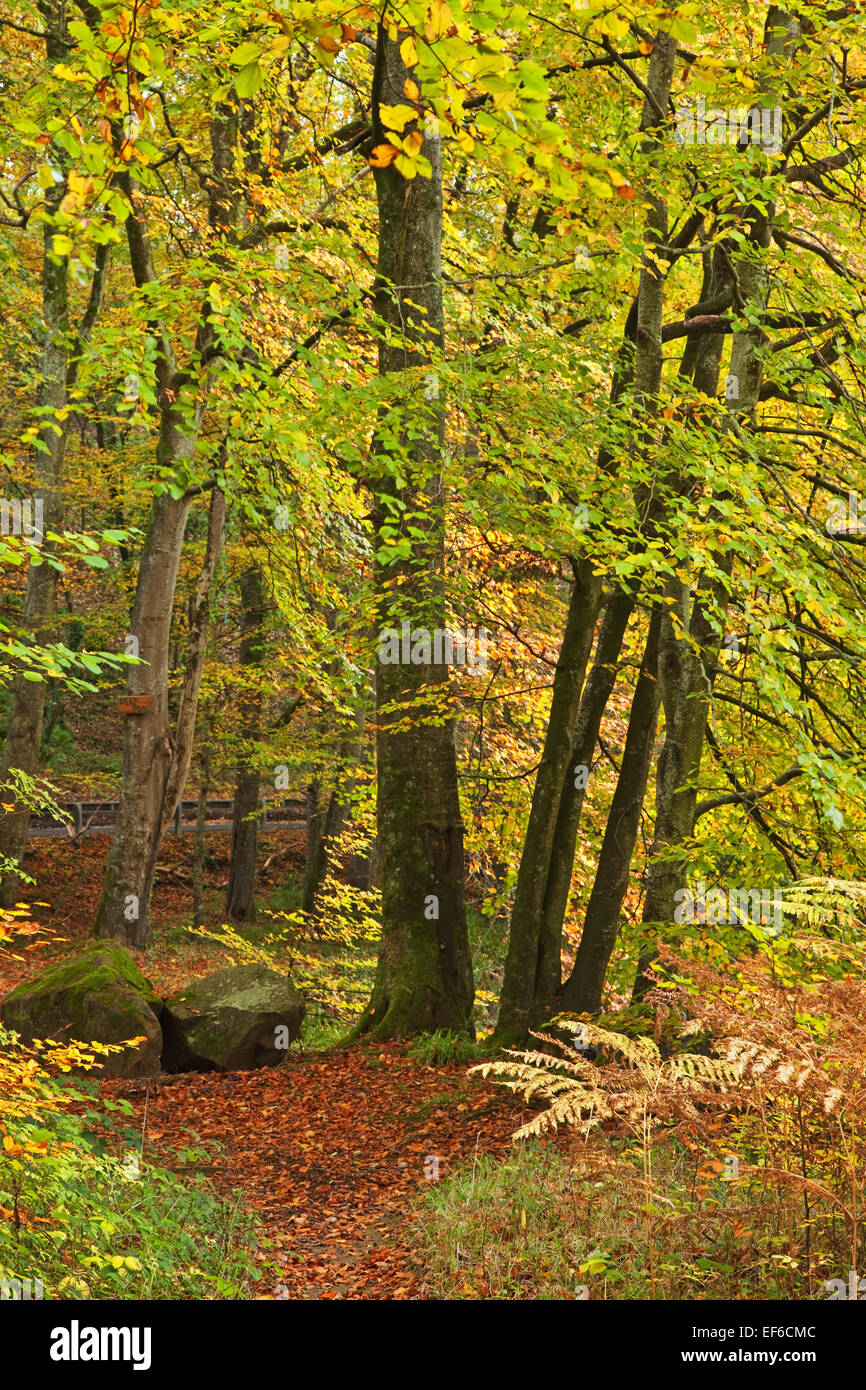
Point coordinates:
[[67, 73], [406, 166], [410, 90], [439, 22], [408, 52], [396, 117], [61, 245], [523, 1218], [81, 184]]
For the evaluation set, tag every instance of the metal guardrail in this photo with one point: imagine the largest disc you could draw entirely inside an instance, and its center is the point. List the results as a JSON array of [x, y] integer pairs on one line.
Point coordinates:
[[100, 817]]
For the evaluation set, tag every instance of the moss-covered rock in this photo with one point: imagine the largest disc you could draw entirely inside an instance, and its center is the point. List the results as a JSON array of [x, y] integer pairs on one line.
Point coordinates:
[[234, 1020], [97, 995]]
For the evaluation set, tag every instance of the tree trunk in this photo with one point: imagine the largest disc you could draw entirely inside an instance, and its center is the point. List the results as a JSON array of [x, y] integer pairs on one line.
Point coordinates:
[[424, 974], [24, 730], [245, 823], [520, 1005], [184, 735], [582, 990], [533, 966], [199, 843], [596, 693], [339, 806], [27, 707], [148, 746], [124, 913], [687, 666]]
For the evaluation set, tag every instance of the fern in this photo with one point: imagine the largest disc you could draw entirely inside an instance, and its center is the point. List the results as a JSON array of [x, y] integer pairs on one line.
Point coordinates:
[[638, 1085]]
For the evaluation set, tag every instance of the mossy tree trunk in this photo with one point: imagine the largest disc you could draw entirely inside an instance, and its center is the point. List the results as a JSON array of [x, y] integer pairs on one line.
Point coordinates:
[[532, 967], [424, 974]]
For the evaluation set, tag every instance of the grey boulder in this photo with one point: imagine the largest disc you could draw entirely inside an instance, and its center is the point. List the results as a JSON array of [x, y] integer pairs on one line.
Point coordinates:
[[235, 1020]]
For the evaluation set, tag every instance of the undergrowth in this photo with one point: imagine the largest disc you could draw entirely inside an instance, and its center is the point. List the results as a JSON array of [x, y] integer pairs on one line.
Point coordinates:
[[84, 1214]]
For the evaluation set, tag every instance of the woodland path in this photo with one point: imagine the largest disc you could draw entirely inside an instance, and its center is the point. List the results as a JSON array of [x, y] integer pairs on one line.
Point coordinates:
[[330, 1151]]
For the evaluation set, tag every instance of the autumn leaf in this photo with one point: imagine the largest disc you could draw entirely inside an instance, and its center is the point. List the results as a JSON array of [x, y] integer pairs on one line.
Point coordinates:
[[408, 52], [396, 117], [439, 21], [382, 156]]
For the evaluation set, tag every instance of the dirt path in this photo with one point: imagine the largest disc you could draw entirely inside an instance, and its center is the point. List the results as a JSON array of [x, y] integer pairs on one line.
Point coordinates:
[[330, 1151]]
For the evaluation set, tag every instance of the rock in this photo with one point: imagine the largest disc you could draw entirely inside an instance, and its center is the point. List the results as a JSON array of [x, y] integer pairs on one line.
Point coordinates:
[[229, 1021], [97, 995]]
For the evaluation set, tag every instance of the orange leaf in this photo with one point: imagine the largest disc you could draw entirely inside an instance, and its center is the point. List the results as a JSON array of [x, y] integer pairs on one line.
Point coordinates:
[[382, 156], [626, 191], [329, 44]]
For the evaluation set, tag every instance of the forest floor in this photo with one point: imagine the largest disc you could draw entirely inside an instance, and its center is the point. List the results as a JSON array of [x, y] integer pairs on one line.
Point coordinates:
[[332, 1151]]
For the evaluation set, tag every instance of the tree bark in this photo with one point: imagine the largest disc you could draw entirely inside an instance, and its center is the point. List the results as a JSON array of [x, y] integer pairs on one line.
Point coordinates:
[[424, 973], [582, 990], [596, 693], [521, 1004], [184, 735], [245, 822], [198, 856], [124, 913], [148, 745], [24, 730]]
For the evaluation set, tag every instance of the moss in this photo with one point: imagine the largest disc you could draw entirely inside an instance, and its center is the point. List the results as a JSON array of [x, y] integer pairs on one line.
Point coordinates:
[[95, 969], [99, 995]]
